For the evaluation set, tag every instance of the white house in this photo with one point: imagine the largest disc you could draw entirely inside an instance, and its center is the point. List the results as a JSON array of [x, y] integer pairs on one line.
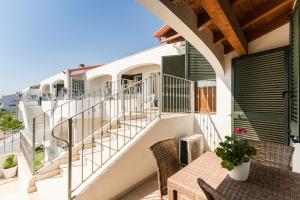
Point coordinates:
[[9, 102], [212, 73]]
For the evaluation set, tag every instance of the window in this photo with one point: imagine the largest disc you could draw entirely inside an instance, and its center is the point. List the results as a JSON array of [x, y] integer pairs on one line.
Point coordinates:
[[205, 96]]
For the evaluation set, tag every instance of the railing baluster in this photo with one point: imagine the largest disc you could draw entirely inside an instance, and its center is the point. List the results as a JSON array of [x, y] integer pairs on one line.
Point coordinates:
[[4, 144], [146, 91], [93, 138], [136, 111], [70, 126], [101, 137], [44, 138], [82, 144], [110, 132], [142, 102], [130, 111], [151, 96], [124, 117], [117, 122], [33, 144]]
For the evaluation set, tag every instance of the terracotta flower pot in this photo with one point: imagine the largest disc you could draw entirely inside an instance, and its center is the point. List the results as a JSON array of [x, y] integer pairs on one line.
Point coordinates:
[[241, 172]]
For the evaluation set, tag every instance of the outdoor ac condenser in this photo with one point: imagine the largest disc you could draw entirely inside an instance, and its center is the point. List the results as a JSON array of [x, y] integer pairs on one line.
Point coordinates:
[[190, 148]]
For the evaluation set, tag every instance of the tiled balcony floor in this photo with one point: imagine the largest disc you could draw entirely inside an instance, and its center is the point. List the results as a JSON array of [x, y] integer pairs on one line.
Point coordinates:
[[146, 191]]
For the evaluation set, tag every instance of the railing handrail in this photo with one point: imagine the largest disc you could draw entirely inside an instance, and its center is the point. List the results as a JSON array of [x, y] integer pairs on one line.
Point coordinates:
[[105, 99], [36, 116], [81, 96], [177, 77], [119, 92]]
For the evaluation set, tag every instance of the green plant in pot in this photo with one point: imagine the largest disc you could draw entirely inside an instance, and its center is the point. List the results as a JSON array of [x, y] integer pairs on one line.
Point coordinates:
[[236, 154], [10, 166]]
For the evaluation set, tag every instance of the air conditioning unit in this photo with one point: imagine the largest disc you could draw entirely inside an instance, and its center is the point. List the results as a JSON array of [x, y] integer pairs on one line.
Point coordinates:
[[190, 148]]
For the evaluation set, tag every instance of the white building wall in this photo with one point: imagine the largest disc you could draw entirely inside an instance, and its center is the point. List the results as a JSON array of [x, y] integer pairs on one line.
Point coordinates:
[[134, 165], [150, 57], [144, 70], [53, 79], [98, 82]]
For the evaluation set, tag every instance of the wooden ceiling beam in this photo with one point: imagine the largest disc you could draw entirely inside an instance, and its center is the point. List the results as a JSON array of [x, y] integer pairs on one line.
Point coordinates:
[[205, 25], [265, 28], [260, 13], [222, 15], [204, 21], [268, 27], [264, 11]]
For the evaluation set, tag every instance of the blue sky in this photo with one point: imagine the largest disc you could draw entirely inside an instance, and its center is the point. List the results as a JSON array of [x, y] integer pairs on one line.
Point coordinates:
[[39, 38]]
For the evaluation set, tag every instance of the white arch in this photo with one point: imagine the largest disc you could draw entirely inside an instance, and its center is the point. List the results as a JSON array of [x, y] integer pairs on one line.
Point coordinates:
[[45, 89], [58, 81], [98, 82], [140, 68]]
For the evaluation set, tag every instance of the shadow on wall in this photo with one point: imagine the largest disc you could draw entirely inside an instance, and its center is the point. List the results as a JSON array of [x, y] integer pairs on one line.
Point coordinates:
[[204, 124]]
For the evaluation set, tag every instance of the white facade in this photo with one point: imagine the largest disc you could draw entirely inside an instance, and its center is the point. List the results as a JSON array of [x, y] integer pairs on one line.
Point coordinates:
[[145, 62], [47, 86]]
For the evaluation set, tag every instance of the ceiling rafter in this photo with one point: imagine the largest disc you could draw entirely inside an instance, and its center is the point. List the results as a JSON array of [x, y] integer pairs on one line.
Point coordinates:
[[269, 8], [271, 25], [223, 17]]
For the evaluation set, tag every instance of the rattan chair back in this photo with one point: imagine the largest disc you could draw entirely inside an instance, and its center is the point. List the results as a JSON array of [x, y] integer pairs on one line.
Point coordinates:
[[167, 160], [272, 154], [210, 193]]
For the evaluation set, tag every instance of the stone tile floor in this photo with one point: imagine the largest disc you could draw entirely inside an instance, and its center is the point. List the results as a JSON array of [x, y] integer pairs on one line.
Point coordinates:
[[146, 191]]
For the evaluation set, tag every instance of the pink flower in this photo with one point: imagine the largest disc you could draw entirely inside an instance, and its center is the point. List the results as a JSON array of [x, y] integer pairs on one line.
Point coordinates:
[[240, 131]]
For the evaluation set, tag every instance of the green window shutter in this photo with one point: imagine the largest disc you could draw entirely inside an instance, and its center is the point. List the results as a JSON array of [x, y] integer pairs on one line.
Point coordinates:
[[198, 68], [259, 82], [294, 72], [174, 65]]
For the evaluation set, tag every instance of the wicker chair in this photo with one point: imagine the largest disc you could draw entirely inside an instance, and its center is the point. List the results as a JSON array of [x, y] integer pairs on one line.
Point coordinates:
[[272, 154], [167, 160], [210, 193]]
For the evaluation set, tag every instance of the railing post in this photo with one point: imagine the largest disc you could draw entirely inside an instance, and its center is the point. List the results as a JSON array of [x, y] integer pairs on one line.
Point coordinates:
[[192, 96], [33, 144], [160, 95], [70, 121]]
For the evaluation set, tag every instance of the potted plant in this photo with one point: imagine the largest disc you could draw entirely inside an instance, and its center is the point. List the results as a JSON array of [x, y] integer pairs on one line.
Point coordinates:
[[10, 167], [9, 124], [235, 154]]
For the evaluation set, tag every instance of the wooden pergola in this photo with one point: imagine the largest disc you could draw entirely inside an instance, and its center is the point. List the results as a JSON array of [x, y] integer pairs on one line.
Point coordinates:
[[234, 23]]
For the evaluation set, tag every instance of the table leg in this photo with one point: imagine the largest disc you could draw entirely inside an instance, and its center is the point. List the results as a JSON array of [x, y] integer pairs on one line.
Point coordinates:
[[172, 194]]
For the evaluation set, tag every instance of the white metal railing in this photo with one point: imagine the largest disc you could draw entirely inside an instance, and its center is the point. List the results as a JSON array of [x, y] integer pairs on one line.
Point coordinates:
[[116, 120], [108, 123], [40, 126], [9, 142]]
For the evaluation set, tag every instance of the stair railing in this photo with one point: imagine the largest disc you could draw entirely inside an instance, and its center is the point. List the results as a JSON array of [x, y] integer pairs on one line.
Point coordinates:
[[44, 122], [103, 129]]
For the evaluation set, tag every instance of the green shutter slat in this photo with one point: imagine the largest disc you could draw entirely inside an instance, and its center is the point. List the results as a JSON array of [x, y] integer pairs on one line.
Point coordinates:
[[294, 77], [259, 80], [198, 68]]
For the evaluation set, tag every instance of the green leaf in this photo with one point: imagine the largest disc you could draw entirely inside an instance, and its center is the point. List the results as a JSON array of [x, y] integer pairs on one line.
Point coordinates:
[[227, 165]]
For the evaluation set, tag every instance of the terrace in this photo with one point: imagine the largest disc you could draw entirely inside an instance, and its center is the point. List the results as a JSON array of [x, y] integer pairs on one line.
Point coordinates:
[[242, 40], [224, 64]]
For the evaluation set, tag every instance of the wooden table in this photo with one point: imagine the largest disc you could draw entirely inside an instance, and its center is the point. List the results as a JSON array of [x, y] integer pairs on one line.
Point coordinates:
[[264, 182]]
